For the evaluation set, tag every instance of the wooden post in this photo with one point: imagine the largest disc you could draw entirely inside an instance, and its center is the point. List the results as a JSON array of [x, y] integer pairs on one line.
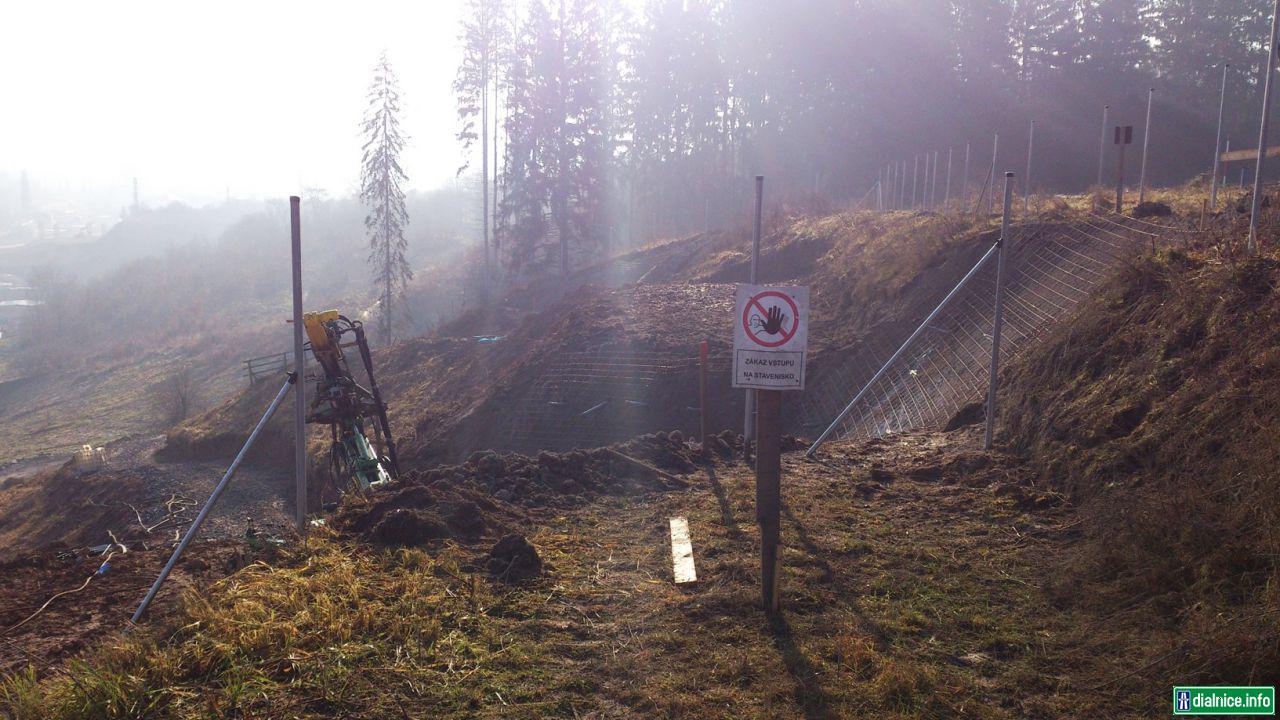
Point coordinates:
[[769, 493], [702, 392]]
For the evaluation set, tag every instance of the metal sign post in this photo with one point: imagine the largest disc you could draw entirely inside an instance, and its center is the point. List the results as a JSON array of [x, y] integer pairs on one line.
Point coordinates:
[[1124, 137], [703, 435], [748, 423], [770, 342]]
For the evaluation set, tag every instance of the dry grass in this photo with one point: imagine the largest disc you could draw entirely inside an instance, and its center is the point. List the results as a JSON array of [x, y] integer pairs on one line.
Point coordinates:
[[912, 597], [1156, 409]]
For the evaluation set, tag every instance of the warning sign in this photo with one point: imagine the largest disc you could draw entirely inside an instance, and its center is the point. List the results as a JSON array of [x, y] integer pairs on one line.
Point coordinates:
[[771, 337]]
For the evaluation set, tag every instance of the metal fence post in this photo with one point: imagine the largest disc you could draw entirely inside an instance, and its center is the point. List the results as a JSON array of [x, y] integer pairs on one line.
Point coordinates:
[[1026, 182], [946, 198], [1217, 143], [1102, 144], [924, 188], [915, 176], [1262, 132], [964, 181], [995, 152], [934, 193], [999, 318], [1146, 143], [299, 367]]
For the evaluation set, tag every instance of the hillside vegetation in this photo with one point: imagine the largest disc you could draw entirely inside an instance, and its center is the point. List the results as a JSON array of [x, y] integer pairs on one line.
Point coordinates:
[[1156, 411]]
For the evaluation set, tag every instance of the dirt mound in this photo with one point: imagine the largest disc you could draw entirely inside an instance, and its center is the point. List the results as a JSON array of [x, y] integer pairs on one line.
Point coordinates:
[[493, 495], [219, 433], [514, 559]]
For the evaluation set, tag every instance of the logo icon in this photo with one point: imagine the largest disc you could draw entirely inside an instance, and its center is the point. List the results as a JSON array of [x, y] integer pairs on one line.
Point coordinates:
[[1184, 700]]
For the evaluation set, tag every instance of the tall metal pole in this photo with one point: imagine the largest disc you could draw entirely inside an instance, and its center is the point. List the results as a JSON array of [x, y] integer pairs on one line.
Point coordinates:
[[1146, 143], [213, 498], [902, 185], [892, 186], [929, 167], [1217, 143], [933, 192], [924, 184], [999, 319], [299, 364], [964, 181], [991, 198], [915, 176], [1026, 182], [1102, 144], [946, 198], [1262, 132], [749, 423]]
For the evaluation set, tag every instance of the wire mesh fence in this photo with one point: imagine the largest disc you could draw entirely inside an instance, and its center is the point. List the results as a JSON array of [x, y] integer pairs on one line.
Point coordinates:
[[1050, 270], [598, 397]]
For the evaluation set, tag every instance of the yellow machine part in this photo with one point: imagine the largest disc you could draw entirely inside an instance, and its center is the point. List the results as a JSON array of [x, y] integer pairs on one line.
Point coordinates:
[[316, 333]]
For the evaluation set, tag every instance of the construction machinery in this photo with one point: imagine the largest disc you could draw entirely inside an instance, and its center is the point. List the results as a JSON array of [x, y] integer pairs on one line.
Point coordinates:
[[347, 407]]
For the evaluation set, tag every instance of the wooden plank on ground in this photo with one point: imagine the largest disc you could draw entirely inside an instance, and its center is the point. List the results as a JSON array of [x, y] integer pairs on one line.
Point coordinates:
[[682, 552]]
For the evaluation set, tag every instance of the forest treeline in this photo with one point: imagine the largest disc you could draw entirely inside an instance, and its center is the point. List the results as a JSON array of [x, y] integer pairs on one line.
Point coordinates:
[[594, 124]]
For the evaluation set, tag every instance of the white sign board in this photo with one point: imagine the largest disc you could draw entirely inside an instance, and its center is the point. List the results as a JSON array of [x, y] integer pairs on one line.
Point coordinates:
[[770, 337]]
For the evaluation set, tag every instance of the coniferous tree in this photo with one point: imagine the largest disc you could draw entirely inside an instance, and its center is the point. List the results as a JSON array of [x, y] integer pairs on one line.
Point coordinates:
[[476, 88], [381, 178]]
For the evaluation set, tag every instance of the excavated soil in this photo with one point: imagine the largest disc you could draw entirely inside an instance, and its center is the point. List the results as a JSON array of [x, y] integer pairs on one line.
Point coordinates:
[[96, 594]]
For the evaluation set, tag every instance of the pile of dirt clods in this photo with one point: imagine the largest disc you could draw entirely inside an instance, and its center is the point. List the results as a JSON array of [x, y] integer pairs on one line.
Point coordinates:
[[491, 498]]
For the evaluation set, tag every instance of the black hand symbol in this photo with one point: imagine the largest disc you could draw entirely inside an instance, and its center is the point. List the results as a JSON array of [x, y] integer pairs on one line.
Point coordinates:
[[773, 320]]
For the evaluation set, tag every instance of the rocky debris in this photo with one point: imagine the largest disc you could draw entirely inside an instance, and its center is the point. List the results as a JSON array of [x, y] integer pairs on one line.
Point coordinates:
[[514, 559]]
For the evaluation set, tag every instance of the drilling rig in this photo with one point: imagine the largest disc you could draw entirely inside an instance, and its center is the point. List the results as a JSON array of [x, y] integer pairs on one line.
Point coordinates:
[[347, 407]]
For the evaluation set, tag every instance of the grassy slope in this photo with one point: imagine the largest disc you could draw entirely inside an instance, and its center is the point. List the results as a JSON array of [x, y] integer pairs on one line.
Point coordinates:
[[1157, 411]]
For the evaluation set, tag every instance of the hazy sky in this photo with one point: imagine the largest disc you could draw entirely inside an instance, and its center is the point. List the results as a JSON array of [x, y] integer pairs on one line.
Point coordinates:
[[194, 97]]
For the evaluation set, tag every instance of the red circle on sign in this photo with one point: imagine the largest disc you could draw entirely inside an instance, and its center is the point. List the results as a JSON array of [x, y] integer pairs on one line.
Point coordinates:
[[786, 335]]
